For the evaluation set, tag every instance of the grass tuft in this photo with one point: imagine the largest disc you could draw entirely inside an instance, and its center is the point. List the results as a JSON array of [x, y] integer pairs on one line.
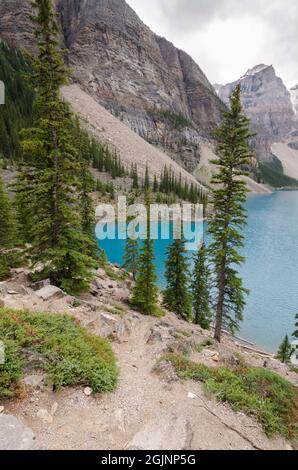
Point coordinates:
[[257, 392]]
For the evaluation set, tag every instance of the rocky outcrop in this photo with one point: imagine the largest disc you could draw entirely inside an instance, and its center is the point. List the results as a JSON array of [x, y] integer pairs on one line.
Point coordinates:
[[158, 90], [294, 98], [267, 102]]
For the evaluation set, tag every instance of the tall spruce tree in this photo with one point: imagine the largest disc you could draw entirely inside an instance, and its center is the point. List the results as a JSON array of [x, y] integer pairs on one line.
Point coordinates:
[[176, 295], [285, 350], [201, 289], [228, 216], [145, 292], [295, 334], [132, 250], [8, 234], [49, 182]]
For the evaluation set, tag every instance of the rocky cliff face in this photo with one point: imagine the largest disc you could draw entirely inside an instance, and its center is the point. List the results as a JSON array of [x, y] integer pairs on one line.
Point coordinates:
[[267, 102], [158, 90], [294, 98]]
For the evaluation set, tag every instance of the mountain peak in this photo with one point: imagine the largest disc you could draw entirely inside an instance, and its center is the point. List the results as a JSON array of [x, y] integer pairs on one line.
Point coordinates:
[[257, 69]]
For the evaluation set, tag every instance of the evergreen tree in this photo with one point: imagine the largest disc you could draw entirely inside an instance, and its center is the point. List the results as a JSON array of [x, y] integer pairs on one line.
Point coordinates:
[[201, 290], [147, 180], [295, 334], [228, 216], [8, 234], [155, 185], [176, 295], [86, 183], [132, 252], [145, 292], [49, 182], [285, 350]]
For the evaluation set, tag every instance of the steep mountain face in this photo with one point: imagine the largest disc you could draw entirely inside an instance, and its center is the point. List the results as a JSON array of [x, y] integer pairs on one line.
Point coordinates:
[[158, 90], [294, 98], [267, 102]]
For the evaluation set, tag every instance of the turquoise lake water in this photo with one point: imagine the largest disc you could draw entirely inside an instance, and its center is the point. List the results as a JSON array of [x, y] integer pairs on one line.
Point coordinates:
[[270, 270]]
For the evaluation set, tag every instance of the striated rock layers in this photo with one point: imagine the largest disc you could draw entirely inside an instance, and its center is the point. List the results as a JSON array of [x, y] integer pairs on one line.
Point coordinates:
[[158, 90], [267, 102]]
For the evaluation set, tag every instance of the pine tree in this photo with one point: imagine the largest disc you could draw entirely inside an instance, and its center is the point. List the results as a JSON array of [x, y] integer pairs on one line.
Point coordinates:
[[147, 180], [86, 183], [228, 216], [176, 295], [295, 334], [50, 179], [155, 185], [201, 290], [145, 292], [285, 350], [8, 234], [132, 252]]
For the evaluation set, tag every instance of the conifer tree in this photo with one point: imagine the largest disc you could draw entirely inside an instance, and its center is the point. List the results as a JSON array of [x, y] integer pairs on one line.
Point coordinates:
[[176, 295], [147, 180], [145, 292], [132, 251], [295, 334], [8, 234], [50, 180], [228, 216], [285, 350], [201, 290]]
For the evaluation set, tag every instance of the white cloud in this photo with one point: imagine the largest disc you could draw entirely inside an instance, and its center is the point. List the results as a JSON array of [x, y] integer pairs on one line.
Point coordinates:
[[226, 37]]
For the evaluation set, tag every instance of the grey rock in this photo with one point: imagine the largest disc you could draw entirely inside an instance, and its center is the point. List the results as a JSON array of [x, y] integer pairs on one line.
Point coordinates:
[[14, 435], [150, 76], [50, 293], [165, 432], [35, 380], [40, 284], [267, 102]]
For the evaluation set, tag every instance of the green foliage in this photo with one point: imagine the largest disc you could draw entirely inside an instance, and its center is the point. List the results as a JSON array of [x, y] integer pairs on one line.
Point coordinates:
[[132, 249], [8, 234], [69, 354], [176, 296], [257, 392], [103, 159], [295, 334], [201, 290], [53, 218], [272, 173], [169, 184], [228, 215], [16, 113], [145, 292], [177, 121], [285, 350]]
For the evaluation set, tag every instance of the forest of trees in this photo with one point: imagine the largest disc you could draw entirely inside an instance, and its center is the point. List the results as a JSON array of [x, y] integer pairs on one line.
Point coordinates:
[[51, 220]]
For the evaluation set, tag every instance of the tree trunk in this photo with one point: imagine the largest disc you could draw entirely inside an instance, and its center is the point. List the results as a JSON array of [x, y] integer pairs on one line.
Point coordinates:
[[219, 306]]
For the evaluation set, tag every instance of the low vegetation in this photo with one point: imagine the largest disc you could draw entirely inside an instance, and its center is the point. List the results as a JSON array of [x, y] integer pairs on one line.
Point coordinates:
[[255, 391], [67, 353]]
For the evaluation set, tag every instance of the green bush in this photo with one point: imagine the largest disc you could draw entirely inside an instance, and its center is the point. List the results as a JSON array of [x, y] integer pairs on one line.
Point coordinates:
[[70, 355], [257, 392]]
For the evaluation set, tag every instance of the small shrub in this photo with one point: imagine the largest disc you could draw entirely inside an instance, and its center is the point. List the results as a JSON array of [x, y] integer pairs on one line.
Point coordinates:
[[71, 355], [257, 392]]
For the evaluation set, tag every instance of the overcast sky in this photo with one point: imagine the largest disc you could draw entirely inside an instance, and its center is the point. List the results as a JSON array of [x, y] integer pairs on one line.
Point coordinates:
[[227, 37]]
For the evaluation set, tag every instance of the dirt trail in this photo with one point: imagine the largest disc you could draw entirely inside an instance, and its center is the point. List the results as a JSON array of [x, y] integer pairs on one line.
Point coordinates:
[[145, 411]]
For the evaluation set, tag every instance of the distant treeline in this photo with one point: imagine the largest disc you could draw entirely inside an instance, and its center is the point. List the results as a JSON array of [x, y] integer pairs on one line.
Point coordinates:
[[16, 114]]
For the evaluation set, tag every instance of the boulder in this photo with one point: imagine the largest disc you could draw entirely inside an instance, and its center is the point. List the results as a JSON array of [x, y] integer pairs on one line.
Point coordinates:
[[35, 380], [36, 286], [50, 293], [14, 435], [164, 432]]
